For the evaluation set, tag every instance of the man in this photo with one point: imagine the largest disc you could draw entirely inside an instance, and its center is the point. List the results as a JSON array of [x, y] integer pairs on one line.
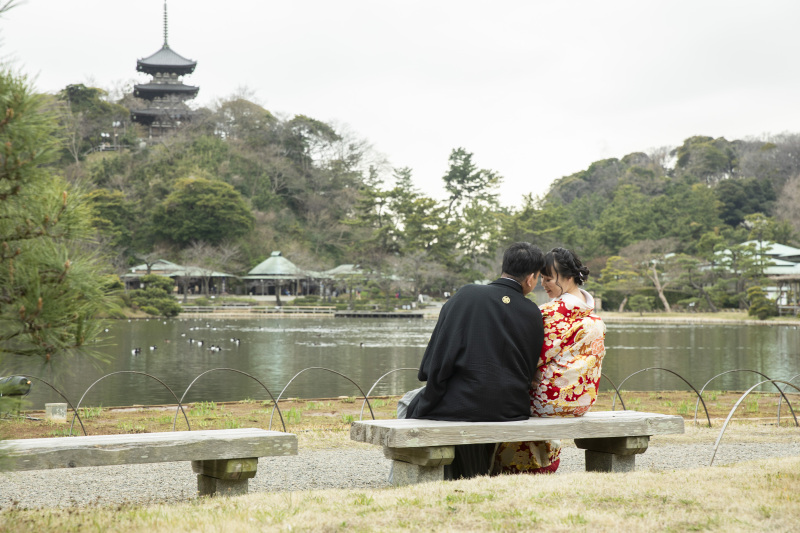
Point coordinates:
[[482, 355]]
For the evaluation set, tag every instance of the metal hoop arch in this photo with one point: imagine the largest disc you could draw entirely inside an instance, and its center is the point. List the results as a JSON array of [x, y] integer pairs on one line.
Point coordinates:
[[616, 390], [328, 370], [739, 401], [68, 403], [671, 372], [361, 416], [780, 400], [130, 372], [697, 403], [238, 372]]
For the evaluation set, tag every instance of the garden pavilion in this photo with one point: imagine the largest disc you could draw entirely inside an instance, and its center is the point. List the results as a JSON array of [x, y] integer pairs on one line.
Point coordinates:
[[187, 278], [274, 273]]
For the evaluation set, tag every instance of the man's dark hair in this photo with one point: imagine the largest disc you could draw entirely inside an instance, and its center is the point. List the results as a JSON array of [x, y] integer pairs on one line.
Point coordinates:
[[522, 259]]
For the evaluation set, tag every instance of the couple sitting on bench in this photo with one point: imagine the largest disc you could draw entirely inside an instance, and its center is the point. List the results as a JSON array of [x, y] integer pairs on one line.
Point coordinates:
[[494, 356]]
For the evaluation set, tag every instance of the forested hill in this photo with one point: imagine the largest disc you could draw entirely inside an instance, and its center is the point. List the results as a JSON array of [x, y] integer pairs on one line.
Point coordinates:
[[704, 192], [239, 182]]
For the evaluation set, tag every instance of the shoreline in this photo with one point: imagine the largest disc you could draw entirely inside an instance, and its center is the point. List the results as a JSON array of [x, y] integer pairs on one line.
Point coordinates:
[[616, 318], [608, 317]]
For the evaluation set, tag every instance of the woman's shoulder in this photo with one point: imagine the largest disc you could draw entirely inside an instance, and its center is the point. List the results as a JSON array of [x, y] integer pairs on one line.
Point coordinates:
[[552, 307]]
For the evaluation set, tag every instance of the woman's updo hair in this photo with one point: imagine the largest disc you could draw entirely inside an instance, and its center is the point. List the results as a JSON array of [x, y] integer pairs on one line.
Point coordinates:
[[566, 264]]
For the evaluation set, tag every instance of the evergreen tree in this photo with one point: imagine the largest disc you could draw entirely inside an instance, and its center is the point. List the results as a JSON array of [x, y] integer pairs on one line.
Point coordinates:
[[51, 290]]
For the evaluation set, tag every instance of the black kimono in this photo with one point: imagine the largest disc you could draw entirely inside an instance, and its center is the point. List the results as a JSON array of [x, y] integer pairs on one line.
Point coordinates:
[[479, 365], [482, 356]]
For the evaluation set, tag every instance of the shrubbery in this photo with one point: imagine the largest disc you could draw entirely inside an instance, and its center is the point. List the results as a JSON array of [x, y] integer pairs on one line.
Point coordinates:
[[760, 305], [156, 296]]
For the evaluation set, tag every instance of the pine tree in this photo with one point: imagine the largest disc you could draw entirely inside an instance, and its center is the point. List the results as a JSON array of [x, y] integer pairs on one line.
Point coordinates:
[[51, 284]]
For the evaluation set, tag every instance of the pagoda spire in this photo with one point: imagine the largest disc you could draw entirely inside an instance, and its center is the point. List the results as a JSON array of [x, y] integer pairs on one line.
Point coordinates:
[[165, 25], [164, 107]]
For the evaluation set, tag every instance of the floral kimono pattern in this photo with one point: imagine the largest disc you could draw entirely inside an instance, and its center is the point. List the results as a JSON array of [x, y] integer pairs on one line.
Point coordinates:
[[566, 379]]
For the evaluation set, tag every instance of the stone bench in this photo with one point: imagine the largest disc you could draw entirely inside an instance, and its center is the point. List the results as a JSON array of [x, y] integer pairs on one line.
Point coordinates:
[[223, 459], [419, 449]]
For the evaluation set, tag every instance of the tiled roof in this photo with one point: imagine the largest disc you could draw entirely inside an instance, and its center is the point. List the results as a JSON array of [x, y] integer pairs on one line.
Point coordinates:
[[170, 87], [166, 57], [276, 266]]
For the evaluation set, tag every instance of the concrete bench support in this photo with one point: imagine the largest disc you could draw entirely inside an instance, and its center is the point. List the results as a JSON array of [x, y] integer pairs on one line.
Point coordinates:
[[616, 454], [418, 465], [224, 477], [419, 449]]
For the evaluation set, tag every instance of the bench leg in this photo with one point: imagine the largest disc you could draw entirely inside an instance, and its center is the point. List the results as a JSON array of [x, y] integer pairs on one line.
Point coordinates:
[[418, 465], [615, 454], [609, 462], [410, 474], [211, 486], [224, 477]]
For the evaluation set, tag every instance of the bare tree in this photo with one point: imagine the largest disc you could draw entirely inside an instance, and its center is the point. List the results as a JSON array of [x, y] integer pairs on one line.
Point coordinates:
[[653, 259], [788, 205]]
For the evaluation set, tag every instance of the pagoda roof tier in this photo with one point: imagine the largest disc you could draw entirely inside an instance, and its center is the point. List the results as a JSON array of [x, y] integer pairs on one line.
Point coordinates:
[[148, 116], [148, 91], [166, 60]]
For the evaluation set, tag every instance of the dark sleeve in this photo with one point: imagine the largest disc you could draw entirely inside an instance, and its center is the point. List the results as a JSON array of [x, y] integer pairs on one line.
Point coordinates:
[[438, 361]]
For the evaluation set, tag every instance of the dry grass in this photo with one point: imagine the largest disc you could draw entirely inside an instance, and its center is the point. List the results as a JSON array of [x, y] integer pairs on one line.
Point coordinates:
[[762, 495]]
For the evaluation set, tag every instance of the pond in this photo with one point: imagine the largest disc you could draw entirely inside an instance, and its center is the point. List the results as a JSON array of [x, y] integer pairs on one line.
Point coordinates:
[[273, 350]]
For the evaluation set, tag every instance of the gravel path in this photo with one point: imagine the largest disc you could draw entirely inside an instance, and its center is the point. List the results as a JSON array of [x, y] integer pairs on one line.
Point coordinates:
[[315, 469]]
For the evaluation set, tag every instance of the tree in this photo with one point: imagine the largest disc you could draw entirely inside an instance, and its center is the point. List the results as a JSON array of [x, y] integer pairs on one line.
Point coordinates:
[[89, 121], [741, 197], [693, 278], [619, 276], [706, 158], [199, 209], [655, 262], [50, 294], [760, 305], [112, 216], [472, 208], [640, 303], [744, 265], [788, 205]]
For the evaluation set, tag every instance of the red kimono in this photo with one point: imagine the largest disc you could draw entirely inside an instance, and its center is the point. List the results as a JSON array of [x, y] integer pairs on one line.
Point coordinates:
[[566, 379]]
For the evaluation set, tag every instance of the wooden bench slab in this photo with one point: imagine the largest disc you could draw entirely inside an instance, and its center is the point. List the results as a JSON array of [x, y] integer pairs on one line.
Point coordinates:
[[105, 450], [413, 433], [224, 459], [421, 448]]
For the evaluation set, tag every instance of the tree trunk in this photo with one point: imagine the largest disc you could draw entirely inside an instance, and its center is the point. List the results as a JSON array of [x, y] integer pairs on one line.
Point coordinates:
[[707, 296], [622, 305], [278, 295], [660, 290]]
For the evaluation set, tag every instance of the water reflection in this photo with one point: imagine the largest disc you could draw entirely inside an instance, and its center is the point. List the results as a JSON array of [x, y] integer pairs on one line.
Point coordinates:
[[275, 349]]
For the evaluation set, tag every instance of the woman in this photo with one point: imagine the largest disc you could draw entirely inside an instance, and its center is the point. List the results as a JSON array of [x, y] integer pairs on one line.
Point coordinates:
[[569, 367]]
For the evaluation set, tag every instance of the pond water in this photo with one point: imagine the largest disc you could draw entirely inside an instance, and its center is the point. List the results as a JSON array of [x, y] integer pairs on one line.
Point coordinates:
[[273, 350]]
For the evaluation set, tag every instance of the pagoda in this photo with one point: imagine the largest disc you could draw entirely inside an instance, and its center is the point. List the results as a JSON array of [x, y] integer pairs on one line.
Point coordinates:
[[165, 94]]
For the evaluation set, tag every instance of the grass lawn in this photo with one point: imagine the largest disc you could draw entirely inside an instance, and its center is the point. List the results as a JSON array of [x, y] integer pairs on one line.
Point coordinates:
[[750, 496]]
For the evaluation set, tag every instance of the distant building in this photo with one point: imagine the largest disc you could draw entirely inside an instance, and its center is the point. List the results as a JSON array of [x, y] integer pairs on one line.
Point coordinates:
[[274, 273], [165, 94]]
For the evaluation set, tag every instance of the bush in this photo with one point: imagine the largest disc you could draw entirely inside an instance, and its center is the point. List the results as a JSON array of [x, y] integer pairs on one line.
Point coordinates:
[[156, 298], [760, 305], [640, 303]]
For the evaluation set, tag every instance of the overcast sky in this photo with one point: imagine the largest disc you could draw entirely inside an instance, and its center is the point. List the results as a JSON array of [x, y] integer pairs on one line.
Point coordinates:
[[536, 90]]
